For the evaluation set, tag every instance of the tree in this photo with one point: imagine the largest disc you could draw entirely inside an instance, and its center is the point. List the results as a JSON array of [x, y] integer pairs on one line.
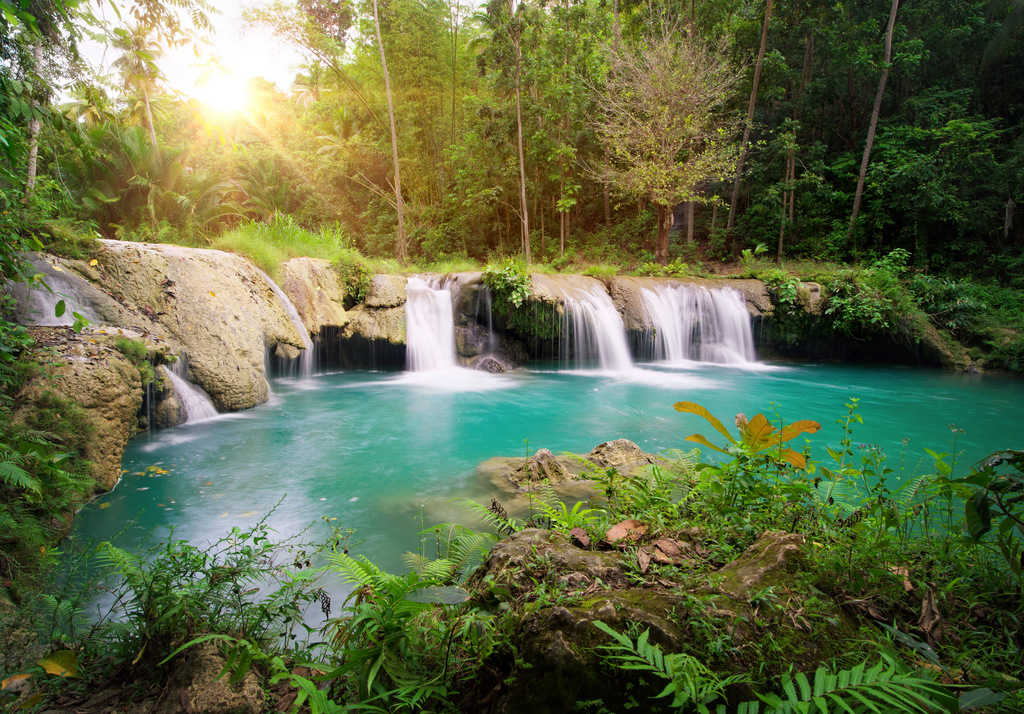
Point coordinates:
[[400, 243], [138, 69], [664, 125], [748, 124], [875, 111]]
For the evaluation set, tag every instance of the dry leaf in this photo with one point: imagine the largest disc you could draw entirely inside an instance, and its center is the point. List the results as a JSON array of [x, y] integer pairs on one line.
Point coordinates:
[[643, 559], [630, 529], [580, 537]]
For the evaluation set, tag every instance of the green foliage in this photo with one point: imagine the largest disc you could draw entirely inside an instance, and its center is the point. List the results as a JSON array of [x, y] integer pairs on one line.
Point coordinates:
[[243, 585], [874, 301], [135, 351], [355, 273], [509, 283], [692, 686]]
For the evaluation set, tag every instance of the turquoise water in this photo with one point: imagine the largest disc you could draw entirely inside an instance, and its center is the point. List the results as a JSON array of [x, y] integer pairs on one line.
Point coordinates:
[[382, 452]]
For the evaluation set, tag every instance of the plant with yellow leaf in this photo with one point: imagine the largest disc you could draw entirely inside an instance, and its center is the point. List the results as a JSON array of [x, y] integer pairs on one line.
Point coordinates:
[[765, 478]]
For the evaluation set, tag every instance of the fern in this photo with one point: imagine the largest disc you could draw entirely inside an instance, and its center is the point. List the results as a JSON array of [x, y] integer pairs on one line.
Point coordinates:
[[13, 475], [883, 688]]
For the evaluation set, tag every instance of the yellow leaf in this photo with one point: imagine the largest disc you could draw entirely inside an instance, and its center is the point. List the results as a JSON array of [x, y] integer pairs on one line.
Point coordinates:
[[63, 663], [213, 294], [31, 701], [42, 549], [94, 262], [14, 678], [104, 505], [58, 268]]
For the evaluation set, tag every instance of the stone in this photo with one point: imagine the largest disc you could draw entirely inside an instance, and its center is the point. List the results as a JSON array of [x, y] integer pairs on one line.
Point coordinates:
[[317, 291], [622, 455], [370, 323], [196, 678], [217, 305], [542, 466], [772, 556], [386, 291], [108, 388]]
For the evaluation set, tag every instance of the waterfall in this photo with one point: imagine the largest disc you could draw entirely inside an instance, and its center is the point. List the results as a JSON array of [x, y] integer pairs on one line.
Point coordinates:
[[40, 303], [197, 404], [693, 323], [308, 356], [429, 326], [596, 328]]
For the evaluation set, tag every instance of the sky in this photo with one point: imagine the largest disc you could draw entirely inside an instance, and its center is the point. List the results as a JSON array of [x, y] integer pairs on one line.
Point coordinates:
[[244, 54]]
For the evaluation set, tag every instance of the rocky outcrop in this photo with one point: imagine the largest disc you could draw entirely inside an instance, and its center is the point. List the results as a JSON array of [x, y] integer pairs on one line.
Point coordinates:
[[317, 292], [523, 475], [559, 660], [217, 305], [622, 455], [101, 382]]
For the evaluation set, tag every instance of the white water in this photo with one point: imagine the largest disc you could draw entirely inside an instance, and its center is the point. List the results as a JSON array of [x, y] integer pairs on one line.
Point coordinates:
[[693, 323], [197, 404], [306, 359], [40, 304], [429, 326], [596, 329]]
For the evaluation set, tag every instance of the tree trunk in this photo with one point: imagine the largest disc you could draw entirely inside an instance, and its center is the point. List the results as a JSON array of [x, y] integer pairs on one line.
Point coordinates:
[[805, 78], [455, 60], [401, 248], [664, 224], [875, 111], [33, 131], [522, 160], [690, 213], [746, 129]]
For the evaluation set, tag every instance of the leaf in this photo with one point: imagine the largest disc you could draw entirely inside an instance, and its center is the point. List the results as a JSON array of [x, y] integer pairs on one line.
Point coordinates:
[[57, 268], [700, 439], [757, 431], [14, 678], [981, 697], [694, 408], [629, 529], [59, 308], [63, 663], [93, 262]]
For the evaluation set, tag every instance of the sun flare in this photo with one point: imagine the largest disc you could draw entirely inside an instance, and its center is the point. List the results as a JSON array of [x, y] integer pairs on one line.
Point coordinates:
[[223, 93]]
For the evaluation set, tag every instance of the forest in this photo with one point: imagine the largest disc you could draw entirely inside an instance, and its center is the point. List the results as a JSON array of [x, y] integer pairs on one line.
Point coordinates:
[[570, 133]]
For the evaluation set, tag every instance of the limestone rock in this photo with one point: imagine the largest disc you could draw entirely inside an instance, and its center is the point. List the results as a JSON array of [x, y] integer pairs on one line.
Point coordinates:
[[317, 292], [622, 455], [517, 561], [774, 554], [196, 679], [108, 388], [169, 410], [369, 323], [386, 291], [542, 466], [218, 305]]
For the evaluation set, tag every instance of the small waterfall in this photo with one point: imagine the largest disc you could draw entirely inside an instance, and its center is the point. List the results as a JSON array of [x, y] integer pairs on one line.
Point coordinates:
[[308, 356], [429, 326], [40, 303], [693, 323], [197, 404], [595, 328]]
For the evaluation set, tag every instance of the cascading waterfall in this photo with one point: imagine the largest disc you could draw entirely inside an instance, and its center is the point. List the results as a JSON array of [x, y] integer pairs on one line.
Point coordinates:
[[40, 303], [693, 323], [429, 326], [596, 329], [197, 404], [308, 356]]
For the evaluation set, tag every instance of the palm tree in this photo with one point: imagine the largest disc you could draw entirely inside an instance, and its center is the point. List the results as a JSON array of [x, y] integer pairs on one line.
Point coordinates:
[[138, 69]]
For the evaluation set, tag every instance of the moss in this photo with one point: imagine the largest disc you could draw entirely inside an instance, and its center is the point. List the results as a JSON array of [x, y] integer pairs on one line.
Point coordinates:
[[138, 355]]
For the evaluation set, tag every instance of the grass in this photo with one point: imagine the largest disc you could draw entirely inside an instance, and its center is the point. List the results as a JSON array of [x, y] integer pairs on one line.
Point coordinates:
[[268, 245]]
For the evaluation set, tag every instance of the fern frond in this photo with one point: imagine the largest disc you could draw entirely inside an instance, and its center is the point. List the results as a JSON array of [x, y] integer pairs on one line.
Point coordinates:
[[882, 688]]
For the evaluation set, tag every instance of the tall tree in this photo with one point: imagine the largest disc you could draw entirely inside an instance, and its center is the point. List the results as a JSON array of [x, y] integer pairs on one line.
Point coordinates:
[[401, 245], [875, 111], [749, 123], [515, 27], [663, 125]]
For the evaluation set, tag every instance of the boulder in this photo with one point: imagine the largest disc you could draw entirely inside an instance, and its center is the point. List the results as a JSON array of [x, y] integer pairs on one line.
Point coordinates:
[[542, 466], [196, 685], [772, 556], [317, 292], [622, 455], [220, 307], [105, 385], [386, 291], [382, 324]]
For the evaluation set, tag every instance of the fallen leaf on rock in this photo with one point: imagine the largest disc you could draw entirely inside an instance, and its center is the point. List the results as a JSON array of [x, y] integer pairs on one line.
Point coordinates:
[[580, 537], [643, 558], [630, 529]]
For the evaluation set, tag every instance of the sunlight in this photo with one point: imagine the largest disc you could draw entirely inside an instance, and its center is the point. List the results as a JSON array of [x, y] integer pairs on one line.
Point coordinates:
[[223, 93]]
